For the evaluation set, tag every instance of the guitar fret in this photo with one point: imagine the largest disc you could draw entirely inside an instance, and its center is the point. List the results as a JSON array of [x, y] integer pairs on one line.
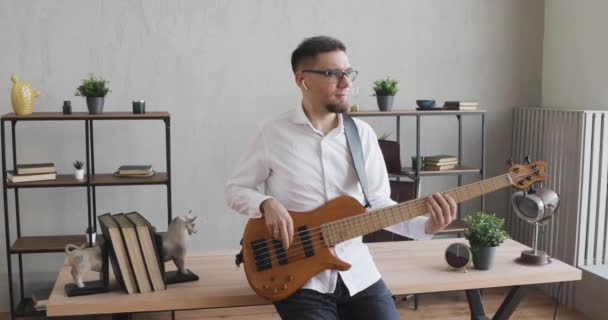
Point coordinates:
[[385, 216], [396, 214], [334, 230]]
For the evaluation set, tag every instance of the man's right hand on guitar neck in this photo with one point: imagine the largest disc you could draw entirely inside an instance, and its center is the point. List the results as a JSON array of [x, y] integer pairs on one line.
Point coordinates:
[[278, 221]]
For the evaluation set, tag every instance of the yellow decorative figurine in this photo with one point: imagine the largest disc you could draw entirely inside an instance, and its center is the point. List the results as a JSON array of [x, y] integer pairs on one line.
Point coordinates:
[[22, 96]]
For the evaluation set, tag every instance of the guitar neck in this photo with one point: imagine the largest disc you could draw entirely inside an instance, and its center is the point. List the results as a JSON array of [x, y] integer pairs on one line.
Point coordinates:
[[352, 227]]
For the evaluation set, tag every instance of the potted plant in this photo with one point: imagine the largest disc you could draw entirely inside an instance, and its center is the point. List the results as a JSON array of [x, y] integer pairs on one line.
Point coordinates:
[[79, 166], [94, 89], [485, 232], [385, 90]]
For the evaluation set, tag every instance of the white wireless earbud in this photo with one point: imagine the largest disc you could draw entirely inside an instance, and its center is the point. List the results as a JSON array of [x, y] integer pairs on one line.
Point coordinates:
[[304, 85]]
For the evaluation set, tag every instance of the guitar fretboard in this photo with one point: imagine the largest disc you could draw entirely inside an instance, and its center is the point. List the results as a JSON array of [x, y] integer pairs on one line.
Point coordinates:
[[352, 227]]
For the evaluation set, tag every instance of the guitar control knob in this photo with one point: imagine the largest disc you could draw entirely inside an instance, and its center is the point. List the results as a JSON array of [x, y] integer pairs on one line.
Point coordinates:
[[289, 278]]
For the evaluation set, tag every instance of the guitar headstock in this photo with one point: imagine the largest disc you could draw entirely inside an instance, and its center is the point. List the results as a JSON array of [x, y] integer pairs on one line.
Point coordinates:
[[523, 175]]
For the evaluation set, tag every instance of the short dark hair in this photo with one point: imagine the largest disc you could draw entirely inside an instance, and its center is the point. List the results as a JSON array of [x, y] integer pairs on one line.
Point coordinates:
[[311, 47]]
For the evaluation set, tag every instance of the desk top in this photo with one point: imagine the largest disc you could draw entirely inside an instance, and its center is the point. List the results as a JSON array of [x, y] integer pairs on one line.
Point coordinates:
[[407, 267]]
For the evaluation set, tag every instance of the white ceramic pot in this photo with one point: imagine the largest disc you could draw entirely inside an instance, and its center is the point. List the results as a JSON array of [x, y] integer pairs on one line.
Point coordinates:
[[79, 174]]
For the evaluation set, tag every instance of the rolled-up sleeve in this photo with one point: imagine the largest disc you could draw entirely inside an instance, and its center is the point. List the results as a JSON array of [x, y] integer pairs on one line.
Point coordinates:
[[379, 186], [243, 189]]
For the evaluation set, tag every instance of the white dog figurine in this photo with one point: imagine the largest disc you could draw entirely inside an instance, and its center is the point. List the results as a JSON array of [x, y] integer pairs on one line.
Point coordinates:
[[82, 260], [175, 241]]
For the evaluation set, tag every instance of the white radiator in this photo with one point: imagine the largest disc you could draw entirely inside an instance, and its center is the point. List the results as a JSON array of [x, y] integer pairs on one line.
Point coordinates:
[[574, 143]]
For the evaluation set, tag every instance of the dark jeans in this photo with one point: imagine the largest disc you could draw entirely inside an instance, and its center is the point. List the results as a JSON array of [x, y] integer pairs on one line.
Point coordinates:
[[375, 302]]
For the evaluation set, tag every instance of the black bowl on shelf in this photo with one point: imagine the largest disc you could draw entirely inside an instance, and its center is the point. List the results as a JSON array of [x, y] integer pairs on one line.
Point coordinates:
[[425, 104]]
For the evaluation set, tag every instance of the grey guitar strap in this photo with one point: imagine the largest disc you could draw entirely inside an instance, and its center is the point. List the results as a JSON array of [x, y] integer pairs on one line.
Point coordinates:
[[356, 152]]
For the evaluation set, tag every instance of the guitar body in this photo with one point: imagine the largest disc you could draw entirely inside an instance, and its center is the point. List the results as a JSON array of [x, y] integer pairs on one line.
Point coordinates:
[[275, 274]]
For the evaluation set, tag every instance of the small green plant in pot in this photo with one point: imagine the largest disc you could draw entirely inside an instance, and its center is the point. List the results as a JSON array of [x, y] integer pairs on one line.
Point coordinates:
[[79, 166], [385, 90], [485, 232], [94, 89]]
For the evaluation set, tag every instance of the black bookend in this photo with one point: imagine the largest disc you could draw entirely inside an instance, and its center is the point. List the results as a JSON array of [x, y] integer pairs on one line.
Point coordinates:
[[171, 277], [98, 286]]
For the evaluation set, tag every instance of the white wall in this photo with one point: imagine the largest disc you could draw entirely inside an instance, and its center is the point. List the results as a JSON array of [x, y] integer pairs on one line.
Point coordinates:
[[221, 67], [575, 76], [575, 55]]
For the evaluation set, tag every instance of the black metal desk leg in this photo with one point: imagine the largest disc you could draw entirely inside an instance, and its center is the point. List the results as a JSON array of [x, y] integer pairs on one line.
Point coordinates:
[[476, 305], [510, 303], [506, 308]]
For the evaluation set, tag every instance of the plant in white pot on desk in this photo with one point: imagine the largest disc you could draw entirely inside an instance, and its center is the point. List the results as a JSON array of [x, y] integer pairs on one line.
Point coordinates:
[[485, 232], [94, 89], [385, 90], [79, 166]]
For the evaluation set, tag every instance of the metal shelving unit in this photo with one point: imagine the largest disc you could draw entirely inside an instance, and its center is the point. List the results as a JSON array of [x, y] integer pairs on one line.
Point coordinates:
[[56, 243], [416, 174]]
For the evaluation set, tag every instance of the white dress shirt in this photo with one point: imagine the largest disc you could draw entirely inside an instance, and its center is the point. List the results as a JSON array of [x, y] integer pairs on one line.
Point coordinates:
[[296, 164]]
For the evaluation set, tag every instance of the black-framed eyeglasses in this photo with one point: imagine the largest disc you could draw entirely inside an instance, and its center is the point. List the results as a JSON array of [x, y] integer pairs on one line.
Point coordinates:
[[336, 74]]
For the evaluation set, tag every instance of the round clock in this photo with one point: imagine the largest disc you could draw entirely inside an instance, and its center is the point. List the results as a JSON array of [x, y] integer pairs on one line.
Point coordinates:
[[458, 256]]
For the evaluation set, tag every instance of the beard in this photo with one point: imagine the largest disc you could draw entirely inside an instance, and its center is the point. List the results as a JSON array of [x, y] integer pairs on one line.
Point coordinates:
[[337, 108]]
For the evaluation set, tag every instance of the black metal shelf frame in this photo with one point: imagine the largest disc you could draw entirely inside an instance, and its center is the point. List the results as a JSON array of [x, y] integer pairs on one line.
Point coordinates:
[[417, 172], [25, 309]]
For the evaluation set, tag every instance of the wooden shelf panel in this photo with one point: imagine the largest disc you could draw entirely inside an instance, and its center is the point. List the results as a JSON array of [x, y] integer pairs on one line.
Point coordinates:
[[38, 244], [107, 179], [37, 116], [410, 173], [413, 112], [26, 308], [63, 180], [102, 179]]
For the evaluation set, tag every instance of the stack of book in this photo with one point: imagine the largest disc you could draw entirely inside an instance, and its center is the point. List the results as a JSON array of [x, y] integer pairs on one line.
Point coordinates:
[[461, 105], [440, 162], [32, 172], [135, 253], [40, 298], [135, 171]]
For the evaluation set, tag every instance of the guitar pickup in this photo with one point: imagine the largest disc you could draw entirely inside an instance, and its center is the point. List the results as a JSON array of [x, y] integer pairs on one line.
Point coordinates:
[[280, 252], [307, 245], [261, 255]]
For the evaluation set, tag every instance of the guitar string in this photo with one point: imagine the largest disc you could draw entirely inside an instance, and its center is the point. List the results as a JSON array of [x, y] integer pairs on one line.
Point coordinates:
[[376, 218], [292, 256], [413, 204], [372, 219]]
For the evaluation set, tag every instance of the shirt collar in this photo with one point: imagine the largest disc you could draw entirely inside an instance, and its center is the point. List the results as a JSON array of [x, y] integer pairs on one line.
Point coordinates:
[[298, 116]]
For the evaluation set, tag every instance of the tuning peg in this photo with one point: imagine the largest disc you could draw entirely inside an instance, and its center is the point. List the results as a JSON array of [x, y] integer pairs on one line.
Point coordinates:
[[528, 161], [510, 162]]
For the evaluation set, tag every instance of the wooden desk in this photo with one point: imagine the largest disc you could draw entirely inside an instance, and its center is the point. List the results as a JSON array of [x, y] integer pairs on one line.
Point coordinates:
[[406, 266]]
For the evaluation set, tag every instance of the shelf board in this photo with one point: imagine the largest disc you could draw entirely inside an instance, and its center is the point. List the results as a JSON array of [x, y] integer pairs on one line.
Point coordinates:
[[37, 116], [26, 308], [63, 180], [108, 179], [413, 112], [102, 179], [455, 227], [410, 173], [40, 244]]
